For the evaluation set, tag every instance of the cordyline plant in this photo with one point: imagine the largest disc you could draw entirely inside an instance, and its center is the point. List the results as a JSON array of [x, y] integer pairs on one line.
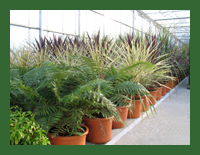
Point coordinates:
[[59, 47], [63, 95], [50, 45]]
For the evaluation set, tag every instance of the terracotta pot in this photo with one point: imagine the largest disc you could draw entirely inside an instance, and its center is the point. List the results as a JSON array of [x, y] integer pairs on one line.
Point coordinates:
[[167, 84], [163, 91], [159, 93], [170, 84], [174, 83], [146, 104], [123, 110], [136, 109], [72, 140], [99, 130], [153, 99]]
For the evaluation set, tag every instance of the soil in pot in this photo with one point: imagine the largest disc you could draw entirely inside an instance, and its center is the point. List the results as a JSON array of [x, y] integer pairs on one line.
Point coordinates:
[[123, 110], [71, 140], [136, 109], [99, 129]]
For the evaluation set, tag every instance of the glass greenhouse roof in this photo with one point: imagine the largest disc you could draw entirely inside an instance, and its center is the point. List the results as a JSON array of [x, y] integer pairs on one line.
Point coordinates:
[[178, 21]]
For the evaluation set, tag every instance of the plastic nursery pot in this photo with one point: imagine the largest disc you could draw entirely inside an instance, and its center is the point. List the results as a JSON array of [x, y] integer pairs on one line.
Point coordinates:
[[123, 110], [136, 109], [163, 91], [72, 140], [153, 99], [146, 104], [159, 93], [99, 130]]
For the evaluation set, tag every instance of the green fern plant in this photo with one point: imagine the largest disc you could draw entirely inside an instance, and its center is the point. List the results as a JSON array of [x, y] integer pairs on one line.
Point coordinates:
[[64, 94]]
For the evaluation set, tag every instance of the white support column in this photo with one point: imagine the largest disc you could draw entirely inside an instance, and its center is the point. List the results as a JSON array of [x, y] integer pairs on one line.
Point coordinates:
[[120, 23], [29, 31], [134, 12], [142, 27], [104, 23], [40, 25], [47, 25], [63, 24], [150, 26], [85, 22], [79, 22]]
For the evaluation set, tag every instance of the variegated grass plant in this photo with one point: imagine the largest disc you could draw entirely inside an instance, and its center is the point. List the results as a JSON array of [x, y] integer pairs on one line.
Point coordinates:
[[26, 59]]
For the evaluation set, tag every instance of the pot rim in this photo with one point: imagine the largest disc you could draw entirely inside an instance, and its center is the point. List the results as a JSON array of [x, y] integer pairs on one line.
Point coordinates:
[[152, 90], [102, 119], [124, 106], [69, 137]]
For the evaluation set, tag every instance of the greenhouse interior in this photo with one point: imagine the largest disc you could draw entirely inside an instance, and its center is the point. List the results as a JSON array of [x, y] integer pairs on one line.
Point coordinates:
[[99, 77]]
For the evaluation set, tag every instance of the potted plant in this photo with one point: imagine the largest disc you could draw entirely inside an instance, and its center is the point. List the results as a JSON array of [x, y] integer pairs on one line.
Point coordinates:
[[59, 103], [24, 130], [123, 91], [66, 93], [100, 113]]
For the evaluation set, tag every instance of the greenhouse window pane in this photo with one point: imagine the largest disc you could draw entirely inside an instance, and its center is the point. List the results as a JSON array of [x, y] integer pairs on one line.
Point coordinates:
[[113, 14], [99, 23], [19, 17], [114, 28], [126, 18], [18, 36], [129, 18], [34, 18], [125, 29], [44, 19], [108, 26], [90, 22], [83, 21], [145, 25], [100, 11], [55, 20], [70, 21], [138, 23], [34, 35]]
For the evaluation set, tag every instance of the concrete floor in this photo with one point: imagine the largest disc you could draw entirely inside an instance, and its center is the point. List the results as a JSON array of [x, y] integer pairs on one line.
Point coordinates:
[[170, 126]]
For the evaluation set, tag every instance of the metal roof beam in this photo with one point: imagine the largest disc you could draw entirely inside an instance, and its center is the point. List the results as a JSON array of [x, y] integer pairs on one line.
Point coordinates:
[[176, 23], [183, 32], [180, 10], [172, 18], [178, 26]]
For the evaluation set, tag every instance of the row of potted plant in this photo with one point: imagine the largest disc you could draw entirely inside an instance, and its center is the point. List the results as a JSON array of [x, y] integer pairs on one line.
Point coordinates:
[[73, 85]]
